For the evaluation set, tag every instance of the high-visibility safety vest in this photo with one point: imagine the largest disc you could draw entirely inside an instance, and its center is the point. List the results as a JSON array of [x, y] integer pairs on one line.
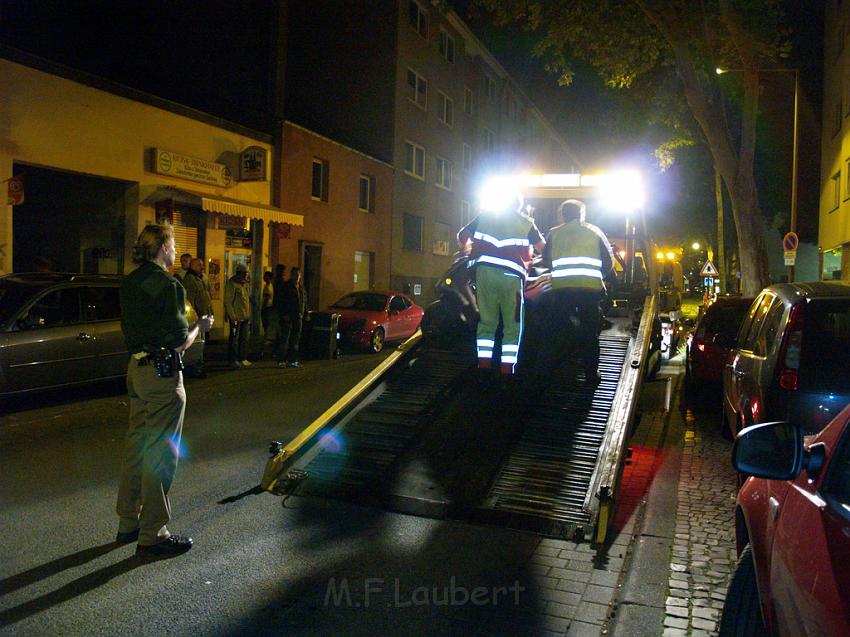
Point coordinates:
[[502, 240], [576, 258]]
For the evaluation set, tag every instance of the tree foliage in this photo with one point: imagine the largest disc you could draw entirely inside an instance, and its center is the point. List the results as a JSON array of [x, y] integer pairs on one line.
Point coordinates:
[[666, 52]]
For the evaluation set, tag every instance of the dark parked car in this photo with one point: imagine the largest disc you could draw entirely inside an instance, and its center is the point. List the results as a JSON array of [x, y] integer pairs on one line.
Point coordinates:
[[790, 357], [713, 337], [59, 329], [792, 523], [369, 319]]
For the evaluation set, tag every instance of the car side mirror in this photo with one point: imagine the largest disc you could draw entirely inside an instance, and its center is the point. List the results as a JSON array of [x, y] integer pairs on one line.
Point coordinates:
[[772, 450]]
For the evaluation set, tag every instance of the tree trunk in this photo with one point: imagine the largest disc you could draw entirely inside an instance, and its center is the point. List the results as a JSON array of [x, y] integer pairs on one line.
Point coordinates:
[[736, 168]]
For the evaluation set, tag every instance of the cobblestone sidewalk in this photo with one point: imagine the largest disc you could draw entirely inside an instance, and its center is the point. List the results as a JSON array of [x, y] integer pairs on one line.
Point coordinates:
[[703, 556]]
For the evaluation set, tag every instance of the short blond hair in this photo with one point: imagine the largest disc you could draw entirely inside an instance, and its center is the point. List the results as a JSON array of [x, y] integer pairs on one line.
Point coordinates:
[[151, 239]]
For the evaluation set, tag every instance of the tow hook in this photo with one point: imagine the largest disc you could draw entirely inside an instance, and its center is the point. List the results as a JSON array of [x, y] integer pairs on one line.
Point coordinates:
[[275, 447]]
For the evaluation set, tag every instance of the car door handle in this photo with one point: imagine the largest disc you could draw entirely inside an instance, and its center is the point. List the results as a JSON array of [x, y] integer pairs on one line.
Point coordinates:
[[82, 336], [774, 508]]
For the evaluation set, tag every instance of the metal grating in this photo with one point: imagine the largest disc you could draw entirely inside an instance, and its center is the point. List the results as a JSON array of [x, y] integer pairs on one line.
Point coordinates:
[[548, 473]]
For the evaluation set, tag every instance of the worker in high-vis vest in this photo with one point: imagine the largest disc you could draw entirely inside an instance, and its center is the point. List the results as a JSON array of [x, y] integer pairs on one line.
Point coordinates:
[[502, 238], [580, 257]]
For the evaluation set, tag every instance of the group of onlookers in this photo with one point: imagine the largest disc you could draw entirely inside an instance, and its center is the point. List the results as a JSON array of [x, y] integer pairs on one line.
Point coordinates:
[[283, 309]]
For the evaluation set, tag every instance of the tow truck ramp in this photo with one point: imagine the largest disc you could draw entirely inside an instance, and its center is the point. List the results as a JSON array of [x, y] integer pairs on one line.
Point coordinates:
[[424, 434]]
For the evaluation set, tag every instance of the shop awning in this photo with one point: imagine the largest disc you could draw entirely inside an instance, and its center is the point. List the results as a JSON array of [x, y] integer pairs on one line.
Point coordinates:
[[226, 206]]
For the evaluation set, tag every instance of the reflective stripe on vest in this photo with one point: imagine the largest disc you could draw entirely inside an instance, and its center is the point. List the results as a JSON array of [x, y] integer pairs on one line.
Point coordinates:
[[576, 261], [502, 240]]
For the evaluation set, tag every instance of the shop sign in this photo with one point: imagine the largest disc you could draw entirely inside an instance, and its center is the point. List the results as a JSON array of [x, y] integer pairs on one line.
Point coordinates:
[[253, 163], [166, 162], [231, 222], [238, 242], [15, 191]]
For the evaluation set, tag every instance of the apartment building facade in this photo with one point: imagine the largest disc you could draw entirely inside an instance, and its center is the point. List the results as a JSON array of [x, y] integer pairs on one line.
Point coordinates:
[[345, 198], [415, 88], [834, 227]]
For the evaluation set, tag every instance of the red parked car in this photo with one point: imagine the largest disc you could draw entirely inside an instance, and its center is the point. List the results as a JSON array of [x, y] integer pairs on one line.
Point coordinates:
[[370, 319], [792, 522], [713, 339]]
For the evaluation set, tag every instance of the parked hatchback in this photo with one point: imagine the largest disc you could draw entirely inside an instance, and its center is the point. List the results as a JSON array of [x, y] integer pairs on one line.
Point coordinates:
[[792, 522], [370, 319], [790, 357], [714, 335], [59, 329]]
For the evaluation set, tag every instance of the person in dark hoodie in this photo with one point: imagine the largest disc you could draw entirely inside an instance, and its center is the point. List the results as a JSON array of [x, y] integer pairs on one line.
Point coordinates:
[[293, 307]]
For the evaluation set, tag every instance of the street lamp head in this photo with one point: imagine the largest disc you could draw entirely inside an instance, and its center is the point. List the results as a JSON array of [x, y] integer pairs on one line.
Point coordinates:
[[695, 245]]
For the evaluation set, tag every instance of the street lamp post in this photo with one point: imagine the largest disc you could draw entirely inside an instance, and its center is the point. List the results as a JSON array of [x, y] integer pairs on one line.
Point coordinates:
[[795, 149]]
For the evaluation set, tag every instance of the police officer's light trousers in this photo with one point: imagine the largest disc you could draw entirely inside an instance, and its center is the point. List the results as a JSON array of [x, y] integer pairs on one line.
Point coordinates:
[[500, 295], [151, 451]]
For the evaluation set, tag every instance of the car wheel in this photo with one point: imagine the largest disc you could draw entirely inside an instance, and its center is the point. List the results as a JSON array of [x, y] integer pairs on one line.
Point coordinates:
[[742, 610], [376, 344]]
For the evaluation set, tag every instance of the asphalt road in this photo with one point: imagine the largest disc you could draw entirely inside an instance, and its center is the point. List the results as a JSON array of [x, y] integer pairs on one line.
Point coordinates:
[[61, 573]]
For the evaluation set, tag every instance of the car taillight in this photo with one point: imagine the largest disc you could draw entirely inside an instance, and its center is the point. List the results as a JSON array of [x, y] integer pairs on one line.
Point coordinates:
[[701, 347], [789, 354]]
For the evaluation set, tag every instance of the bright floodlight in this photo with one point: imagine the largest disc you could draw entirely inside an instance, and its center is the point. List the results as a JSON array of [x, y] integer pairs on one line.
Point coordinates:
[[499, 195], [622, 190]]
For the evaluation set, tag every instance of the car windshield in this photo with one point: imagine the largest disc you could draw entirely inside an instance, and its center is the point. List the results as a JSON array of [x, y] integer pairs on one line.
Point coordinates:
[[826, 347], [12, 297], [725, 319], [368, 301]]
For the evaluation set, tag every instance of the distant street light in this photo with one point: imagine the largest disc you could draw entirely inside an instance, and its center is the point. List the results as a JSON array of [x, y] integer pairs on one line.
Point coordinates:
[[695, 245], [796, 72]]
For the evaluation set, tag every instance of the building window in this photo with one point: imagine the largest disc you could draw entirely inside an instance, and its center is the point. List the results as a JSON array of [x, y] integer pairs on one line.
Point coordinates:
[[490, 88], [367, 193], [412, 233], [464, 213], [414, 160], [446, 112], [447, 46], [319, 190], [847, 179], [417, 88], [836, 191], [467, 158], [468, 101], [442, 239], [489, 140], [418, 19], [444, 173], [511, 107]]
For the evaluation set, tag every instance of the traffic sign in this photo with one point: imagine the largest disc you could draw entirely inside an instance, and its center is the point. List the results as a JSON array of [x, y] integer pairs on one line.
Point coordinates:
[[708, 269], [790, 241], [790, 257]]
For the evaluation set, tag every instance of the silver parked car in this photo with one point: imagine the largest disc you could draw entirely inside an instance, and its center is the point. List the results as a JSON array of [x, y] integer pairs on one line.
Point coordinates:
[[59, 329]]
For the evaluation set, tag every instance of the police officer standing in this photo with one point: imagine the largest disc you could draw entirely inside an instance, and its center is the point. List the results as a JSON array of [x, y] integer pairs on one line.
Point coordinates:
[[502, 238], [153, 306], [580, 257]]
